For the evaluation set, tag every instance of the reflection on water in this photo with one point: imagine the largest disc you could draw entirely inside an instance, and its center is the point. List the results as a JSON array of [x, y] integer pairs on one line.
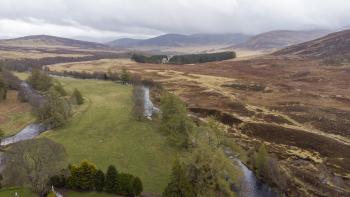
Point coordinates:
[[250, 185]]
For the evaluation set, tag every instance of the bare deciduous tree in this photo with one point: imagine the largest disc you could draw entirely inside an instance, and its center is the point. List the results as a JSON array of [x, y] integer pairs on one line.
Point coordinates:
[[32, 162]]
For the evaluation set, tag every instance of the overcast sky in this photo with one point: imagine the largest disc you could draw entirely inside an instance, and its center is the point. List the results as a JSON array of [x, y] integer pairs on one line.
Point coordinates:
[[106, 19]]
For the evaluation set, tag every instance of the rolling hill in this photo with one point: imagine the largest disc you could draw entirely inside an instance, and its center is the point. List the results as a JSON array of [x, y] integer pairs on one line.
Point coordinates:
[[335, 45], [179, 40], [279, 39], [51, 41]]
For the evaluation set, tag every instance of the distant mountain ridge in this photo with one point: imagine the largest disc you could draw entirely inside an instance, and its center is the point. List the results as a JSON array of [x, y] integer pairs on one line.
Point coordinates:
[[180, 40], [335, 45], [279, 39], [46, 40]]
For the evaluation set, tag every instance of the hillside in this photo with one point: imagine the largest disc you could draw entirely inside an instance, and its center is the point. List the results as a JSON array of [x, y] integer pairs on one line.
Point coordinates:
[[179, 40], [335, 45], [51, 41], [279, 39]]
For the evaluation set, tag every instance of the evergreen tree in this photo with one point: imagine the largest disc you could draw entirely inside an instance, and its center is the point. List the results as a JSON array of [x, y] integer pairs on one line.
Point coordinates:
[[82, 176], [77, 97], [125, 76], [179, 185], [125, 184], [261, 160], [137, 187], [111, 180], [175, 123], [99, 181]]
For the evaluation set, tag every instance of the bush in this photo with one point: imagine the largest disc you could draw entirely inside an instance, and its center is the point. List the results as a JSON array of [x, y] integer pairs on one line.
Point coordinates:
[[77, 98]]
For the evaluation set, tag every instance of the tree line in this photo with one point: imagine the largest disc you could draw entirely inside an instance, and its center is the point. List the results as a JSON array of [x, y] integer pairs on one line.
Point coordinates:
[[41, 163], [184, 59], [27, 64], [86, 177]]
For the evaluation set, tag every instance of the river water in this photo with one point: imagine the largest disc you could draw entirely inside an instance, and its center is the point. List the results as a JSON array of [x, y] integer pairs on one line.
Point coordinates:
[[149, 108], [29, 132], [250, 185]]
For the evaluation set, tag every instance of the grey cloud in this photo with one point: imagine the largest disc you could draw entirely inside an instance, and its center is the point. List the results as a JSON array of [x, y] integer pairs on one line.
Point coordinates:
[[143, 18]]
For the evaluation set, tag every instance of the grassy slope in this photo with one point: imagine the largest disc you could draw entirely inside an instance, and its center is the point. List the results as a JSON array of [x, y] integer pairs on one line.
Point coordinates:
[[105, 133]]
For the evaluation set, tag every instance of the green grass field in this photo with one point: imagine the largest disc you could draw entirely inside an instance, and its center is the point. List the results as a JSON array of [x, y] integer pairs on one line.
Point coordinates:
[[104, 132], [10, 192]]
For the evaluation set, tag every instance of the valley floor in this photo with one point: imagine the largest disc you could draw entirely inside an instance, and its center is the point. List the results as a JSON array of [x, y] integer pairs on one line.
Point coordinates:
[[104, 132]]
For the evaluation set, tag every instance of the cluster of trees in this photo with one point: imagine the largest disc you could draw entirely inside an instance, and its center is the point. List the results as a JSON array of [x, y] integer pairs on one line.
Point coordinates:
[[86, 177], [202, 58], [206, 171], [185, 59], [155, 59], [175, 123], [32, 162], [55, 111], [124, 76]]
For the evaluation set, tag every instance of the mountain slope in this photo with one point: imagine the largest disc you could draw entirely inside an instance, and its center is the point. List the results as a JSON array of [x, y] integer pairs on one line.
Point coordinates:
[[179, 40], [335, 45], [279, 39], [51, 41]]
